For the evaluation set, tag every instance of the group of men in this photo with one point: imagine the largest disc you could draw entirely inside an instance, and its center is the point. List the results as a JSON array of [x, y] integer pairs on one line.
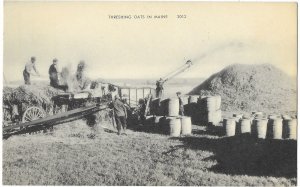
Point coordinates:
[[118, 107], [53, 73]]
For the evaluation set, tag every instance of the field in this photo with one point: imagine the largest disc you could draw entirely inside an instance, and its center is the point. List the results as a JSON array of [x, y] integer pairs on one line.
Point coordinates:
[[76, 154], [79, 155]]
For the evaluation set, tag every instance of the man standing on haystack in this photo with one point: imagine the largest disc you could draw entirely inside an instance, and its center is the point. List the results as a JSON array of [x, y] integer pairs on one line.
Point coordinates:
[[181, 107], [119, 113], [159, 88], [53, 75], [27, 71], [82, 80]]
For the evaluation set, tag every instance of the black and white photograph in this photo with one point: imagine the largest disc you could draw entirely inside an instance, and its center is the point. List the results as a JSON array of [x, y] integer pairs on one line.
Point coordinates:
[[149, 93]]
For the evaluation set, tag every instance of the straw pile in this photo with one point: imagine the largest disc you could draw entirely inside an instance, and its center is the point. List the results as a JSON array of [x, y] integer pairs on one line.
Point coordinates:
[[251, 88]]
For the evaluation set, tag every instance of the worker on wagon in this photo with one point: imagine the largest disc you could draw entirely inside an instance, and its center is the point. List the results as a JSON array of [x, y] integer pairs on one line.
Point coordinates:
[[120, 113], [181, 107], [27, 71], [159, 88], [53, 75]]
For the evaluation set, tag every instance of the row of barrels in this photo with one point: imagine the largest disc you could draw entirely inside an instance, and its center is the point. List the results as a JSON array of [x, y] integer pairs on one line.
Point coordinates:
[[204, 109], [166, 107], [273, 127], [173, 126], [170, 106]]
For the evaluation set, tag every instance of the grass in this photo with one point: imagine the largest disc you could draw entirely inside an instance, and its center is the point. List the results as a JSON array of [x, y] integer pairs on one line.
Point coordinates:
[[79, 155]]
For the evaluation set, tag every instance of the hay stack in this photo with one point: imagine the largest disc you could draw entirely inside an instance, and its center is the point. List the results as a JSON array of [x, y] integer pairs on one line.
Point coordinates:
[[30, 94], [252, 87]]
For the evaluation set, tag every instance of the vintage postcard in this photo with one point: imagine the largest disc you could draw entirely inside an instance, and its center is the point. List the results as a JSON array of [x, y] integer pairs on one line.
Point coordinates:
[[149, 93]]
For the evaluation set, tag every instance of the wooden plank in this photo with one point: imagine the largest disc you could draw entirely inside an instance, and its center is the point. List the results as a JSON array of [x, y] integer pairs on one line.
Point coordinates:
[[57, 117]]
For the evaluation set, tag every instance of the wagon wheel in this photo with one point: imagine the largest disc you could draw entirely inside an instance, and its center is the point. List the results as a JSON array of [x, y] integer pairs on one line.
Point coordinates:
[[33, 113]]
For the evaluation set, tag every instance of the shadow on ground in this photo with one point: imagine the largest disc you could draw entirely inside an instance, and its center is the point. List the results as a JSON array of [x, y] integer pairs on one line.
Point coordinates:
[[246, 155], [149, 126], [153, 129]]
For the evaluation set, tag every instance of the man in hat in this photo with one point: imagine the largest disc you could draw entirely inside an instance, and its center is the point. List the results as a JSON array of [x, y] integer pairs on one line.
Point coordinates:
[[53, 75], [27, 71], [159, 88], [120, 113], [181, 107]]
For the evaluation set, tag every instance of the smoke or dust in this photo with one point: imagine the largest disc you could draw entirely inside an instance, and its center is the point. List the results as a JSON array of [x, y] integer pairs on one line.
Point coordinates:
[[219, 49], [78, 81]]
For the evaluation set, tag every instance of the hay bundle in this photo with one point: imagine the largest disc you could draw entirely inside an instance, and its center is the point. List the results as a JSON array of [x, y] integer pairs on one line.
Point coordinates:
[[7, 94], [30, 94]]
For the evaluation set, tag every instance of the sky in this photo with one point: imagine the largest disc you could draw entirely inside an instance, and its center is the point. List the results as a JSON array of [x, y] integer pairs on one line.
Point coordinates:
[[212, 35]]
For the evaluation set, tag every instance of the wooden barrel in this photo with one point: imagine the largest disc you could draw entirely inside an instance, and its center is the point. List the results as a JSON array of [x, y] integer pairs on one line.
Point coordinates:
[[193, 99], [174, 124], [229, 126], [173, 107], [274, 116], [163, 107], [186, 125], [259, 115], [237, 117], [185, 100], [276, 124], [210, 103], [214, 117], [286, 116], [261, 127], [245, 125], [290, 129], [218, 102], [218, 118], [154, 106]]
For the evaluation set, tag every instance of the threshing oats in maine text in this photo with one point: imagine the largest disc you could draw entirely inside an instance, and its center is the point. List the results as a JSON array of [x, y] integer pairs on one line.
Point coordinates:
[[142, 16]]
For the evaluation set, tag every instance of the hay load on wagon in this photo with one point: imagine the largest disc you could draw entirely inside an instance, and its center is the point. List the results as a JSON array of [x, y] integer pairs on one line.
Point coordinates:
[[30, 94], [17, 100]]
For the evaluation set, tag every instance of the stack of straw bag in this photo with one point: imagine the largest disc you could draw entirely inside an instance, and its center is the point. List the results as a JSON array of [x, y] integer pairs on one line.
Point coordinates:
[[166, 117], [204, 110]]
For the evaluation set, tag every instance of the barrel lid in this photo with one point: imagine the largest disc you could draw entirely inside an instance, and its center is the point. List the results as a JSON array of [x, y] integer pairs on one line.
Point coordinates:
[[229, 119], [246, 118], [275, 119], [260, 118]]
